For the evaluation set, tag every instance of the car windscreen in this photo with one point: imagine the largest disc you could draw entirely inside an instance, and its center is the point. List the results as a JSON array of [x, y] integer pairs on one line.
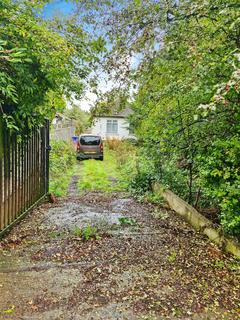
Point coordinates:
[[90, 141]]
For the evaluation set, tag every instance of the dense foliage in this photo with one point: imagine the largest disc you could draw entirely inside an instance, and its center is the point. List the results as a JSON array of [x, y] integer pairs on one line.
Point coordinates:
[[80, 117], [41, 61], [182, 58], [186, 109]]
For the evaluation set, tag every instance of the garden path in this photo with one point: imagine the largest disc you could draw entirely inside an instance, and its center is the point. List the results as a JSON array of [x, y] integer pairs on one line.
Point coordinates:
[[141, 262]]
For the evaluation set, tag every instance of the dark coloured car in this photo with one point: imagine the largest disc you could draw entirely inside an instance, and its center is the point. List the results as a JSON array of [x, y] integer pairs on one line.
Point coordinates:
[[90, 147]]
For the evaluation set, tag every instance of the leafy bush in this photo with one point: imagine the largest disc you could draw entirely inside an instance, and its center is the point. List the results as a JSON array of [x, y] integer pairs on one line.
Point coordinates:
[[186, 110], [221, 173], [39, 62], [125, 154], [141, 183], [174, 178]]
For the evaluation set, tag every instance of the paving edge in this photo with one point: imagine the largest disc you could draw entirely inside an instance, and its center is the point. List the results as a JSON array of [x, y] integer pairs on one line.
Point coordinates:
[[198, 221]]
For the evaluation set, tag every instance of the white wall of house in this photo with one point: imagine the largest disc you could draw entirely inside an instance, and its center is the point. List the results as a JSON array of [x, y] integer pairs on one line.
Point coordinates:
[[111, 127]]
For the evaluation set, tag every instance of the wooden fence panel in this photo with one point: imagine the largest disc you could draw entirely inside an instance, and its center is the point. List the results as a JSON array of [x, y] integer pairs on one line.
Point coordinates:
[[24, 173]]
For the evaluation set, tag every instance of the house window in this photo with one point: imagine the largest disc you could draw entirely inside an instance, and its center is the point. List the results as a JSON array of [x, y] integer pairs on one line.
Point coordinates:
[[112, 126]]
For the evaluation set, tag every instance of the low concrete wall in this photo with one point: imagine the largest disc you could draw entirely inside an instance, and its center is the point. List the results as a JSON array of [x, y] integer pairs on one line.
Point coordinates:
[[198, 221]]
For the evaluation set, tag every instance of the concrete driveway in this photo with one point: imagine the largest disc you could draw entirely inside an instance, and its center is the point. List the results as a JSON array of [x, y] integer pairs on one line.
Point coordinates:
[[141, 262]]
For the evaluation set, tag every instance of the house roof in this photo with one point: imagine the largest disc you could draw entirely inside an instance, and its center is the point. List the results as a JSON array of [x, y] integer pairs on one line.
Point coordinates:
[[117, 114]]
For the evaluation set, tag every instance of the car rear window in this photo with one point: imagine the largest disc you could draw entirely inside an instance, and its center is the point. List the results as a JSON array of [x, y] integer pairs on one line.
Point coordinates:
[[90, 141]]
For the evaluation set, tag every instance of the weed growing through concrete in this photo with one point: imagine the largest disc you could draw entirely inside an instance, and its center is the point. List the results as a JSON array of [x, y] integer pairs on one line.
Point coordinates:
[[160, 214], [57, 234], [86, 233], [125, 221], [172, 257]]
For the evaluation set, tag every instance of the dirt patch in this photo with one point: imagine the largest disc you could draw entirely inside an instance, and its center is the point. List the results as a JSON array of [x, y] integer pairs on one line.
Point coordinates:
[[73, 190], [157, 268]]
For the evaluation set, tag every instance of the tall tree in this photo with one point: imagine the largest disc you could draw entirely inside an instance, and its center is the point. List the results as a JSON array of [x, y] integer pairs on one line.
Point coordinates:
[[41, 60], [187, 103]]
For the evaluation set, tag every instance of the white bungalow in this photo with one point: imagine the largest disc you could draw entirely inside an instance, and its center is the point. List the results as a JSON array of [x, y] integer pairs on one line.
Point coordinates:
[[115, 126]]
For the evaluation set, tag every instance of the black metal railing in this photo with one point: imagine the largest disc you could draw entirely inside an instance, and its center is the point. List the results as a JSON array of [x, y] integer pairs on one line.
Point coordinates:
[[24, 173]]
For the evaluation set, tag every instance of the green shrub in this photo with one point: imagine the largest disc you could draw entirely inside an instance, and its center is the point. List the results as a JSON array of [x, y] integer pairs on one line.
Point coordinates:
[[62, 156], [174, 178], [221, 178], [141, 183]]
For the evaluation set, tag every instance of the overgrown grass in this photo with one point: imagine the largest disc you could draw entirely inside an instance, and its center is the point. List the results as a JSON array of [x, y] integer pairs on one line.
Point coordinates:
[[104, 176], [62, 162], [113, 174]]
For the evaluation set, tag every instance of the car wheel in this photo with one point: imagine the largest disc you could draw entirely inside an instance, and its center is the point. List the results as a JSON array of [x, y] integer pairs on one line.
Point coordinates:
[[101, 158]]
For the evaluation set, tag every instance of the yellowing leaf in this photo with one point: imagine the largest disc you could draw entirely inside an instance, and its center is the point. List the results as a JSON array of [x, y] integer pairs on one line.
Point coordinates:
[[10, 310]]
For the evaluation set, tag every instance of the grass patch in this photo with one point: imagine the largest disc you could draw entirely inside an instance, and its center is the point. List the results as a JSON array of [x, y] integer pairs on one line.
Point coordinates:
[[62, 166], [59, 183], [102, 175], [111, 175]]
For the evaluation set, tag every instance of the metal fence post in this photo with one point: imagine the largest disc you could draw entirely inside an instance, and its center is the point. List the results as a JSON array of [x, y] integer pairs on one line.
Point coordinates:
[[24, 172], [48, 149]]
